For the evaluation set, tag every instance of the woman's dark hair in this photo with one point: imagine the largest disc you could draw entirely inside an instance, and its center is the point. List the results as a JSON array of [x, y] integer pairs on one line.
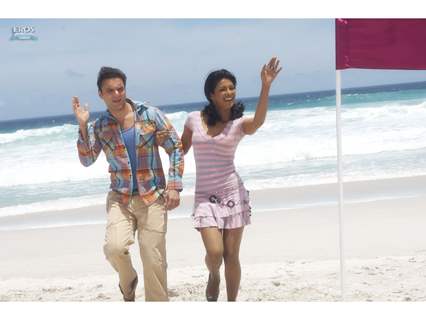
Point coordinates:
[[109, 73], [210, 112]]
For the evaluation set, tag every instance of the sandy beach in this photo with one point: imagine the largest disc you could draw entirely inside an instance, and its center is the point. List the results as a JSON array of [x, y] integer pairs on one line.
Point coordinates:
[[289, 253]]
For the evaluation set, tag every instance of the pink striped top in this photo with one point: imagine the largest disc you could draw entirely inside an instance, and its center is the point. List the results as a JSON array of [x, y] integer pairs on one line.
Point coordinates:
[[214, 159]]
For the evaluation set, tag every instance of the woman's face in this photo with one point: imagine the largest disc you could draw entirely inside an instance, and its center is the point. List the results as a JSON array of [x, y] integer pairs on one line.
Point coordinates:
[[223, 96]]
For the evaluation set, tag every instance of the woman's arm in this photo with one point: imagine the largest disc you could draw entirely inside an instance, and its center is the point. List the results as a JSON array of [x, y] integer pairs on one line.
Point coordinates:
[[186, 139], [268, 74]]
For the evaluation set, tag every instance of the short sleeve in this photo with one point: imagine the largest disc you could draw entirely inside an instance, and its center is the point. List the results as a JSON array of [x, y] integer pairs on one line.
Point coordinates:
[[239, 125], [189, 121]]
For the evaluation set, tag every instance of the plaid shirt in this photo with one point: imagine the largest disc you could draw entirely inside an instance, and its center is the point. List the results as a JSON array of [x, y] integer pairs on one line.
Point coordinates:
[[152, 129]]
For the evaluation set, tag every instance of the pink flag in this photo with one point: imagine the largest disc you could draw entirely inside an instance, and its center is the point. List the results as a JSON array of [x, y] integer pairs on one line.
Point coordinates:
[[381, 44]]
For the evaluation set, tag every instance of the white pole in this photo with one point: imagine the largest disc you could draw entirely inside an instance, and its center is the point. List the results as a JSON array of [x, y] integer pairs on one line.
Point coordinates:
[[340, 183]]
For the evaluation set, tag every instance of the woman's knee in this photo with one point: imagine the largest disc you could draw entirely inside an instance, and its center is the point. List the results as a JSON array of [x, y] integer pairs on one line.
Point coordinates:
[[215, 256], [231, 257]]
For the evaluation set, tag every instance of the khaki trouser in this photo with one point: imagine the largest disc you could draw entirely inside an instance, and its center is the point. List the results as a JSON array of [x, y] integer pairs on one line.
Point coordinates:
[[151, 224]]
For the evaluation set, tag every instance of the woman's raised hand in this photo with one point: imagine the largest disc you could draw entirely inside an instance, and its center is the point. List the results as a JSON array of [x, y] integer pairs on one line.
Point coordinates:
[[270, 71]]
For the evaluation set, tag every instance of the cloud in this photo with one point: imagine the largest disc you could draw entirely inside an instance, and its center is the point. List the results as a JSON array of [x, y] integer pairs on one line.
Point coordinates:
[[74, 74]]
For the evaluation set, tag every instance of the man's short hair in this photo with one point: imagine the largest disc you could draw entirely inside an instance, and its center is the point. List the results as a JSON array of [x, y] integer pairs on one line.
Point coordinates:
[[109, 73]]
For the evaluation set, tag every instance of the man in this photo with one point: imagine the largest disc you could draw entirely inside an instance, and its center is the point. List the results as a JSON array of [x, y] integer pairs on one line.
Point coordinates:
[[130, 133]]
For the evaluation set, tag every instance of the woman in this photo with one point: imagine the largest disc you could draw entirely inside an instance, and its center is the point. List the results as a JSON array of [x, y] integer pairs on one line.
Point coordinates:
[[221, 208]]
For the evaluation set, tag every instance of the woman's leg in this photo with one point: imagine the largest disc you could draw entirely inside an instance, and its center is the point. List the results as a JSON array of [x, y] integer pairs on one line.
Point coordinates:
[[212, 238], [232, 240]]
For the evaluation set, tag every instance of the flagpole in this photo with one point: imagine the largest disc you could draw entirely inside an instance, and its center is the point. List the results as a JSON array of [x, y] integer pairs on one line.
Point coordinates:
[[340, 183]]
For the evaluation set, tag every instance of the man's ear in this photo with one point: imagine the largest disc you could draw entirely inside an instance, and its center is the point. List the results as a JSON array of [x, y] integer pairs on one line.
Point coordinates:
[[100, 93]]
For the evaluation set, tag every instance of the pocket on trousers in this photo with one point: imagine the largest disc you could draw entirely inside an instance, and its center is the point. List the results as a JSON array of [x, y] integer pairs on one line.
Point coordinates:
[[114, 210], [107, 202], [157, 216]]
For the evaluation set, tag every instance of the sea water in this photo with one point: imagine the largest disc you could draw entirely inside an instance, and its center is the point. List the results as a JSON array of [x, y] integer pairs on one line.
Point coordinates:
[[383, 131]]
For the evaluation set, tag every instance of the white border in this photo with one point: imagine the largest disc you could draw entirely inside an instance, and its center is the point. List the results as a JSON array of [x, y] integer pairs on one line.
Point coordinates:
[[210, 9], [221, 311]]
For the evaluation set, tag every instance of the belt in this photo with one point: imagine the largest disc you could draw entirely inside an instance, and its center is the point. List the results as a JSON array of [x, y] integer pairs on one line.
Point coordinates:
[[215, 199]]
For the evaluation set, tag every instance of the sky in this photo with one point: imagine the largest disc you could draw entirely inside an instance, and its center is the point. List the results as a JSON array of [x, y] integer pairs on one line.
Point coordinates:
[[166, 60]]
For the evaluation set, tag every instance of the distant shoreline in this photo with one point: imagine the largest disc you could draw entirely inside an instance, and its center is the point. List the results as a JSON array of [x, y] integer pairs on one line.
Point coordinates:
[[262, 201]]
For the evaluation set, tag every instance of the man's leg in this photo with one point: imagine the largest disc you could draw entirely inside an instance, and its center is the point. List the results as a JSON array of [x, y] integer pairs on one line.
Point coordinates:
[[119, 236], [152, 227]]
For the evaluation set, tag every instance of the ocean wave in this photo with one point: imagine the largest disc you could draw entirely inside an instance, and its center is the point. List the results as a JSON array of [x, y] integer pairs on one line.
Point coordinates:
[[50, 170], [177, 116], [298, 135], [23, 134]]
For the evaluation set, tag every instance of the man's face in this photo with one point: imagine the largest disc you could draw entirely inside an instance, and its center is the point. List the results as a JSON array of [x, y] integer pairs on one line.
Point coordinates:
[[113, 93]]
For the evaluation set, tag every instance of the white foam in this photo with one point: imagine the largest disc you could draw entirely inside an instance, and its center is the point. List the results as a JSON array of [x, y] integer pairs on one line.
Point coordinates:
[[177, 117], [23, 134], [308, 134], [49, 155], [48, 163]]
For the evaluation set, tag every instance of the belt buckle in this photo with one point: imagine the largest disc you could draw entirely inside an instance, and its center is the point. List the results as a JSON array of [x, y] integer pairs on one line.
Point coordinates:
[[214, 199], [230, 204]]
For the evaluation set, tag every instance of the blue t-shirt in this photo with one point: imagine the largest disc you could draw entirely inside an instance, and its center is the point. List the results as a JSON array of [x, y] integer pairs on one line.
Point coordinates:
[[129, 141]]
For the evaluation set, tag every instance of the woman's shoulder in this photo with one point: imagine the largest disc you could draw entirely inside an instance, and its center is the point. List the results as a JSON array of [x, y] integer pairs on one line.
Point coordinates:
[[237, 125], [194, 114], [239, 121], [191, 118]]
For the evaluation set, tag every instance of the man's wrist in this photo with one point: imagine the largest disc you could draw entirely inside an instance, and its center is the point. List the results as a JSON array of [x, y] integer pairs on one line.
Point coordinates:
[[174, 185], [177, 190]]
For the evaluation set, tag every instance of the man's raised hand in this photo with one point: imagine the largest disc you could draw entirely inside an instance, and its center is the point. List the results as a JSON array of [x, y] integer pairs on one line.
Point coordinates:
[[81, 112]]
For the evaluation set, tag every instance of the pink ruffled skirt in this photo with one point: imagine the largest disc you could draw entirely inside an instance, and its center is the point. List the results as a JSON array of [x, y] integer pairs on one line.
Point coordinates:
[[224, 211]]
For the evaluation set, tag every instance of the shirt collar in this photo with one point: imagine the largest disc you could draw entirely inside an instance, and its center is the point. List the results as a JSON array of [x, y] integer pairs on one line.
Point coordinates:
[[132, 104]]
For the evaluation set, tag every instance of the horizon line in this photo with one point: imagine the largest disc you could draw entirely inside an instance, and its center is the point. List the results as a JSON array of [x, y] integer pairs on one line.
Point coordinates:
[[246, 98]]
